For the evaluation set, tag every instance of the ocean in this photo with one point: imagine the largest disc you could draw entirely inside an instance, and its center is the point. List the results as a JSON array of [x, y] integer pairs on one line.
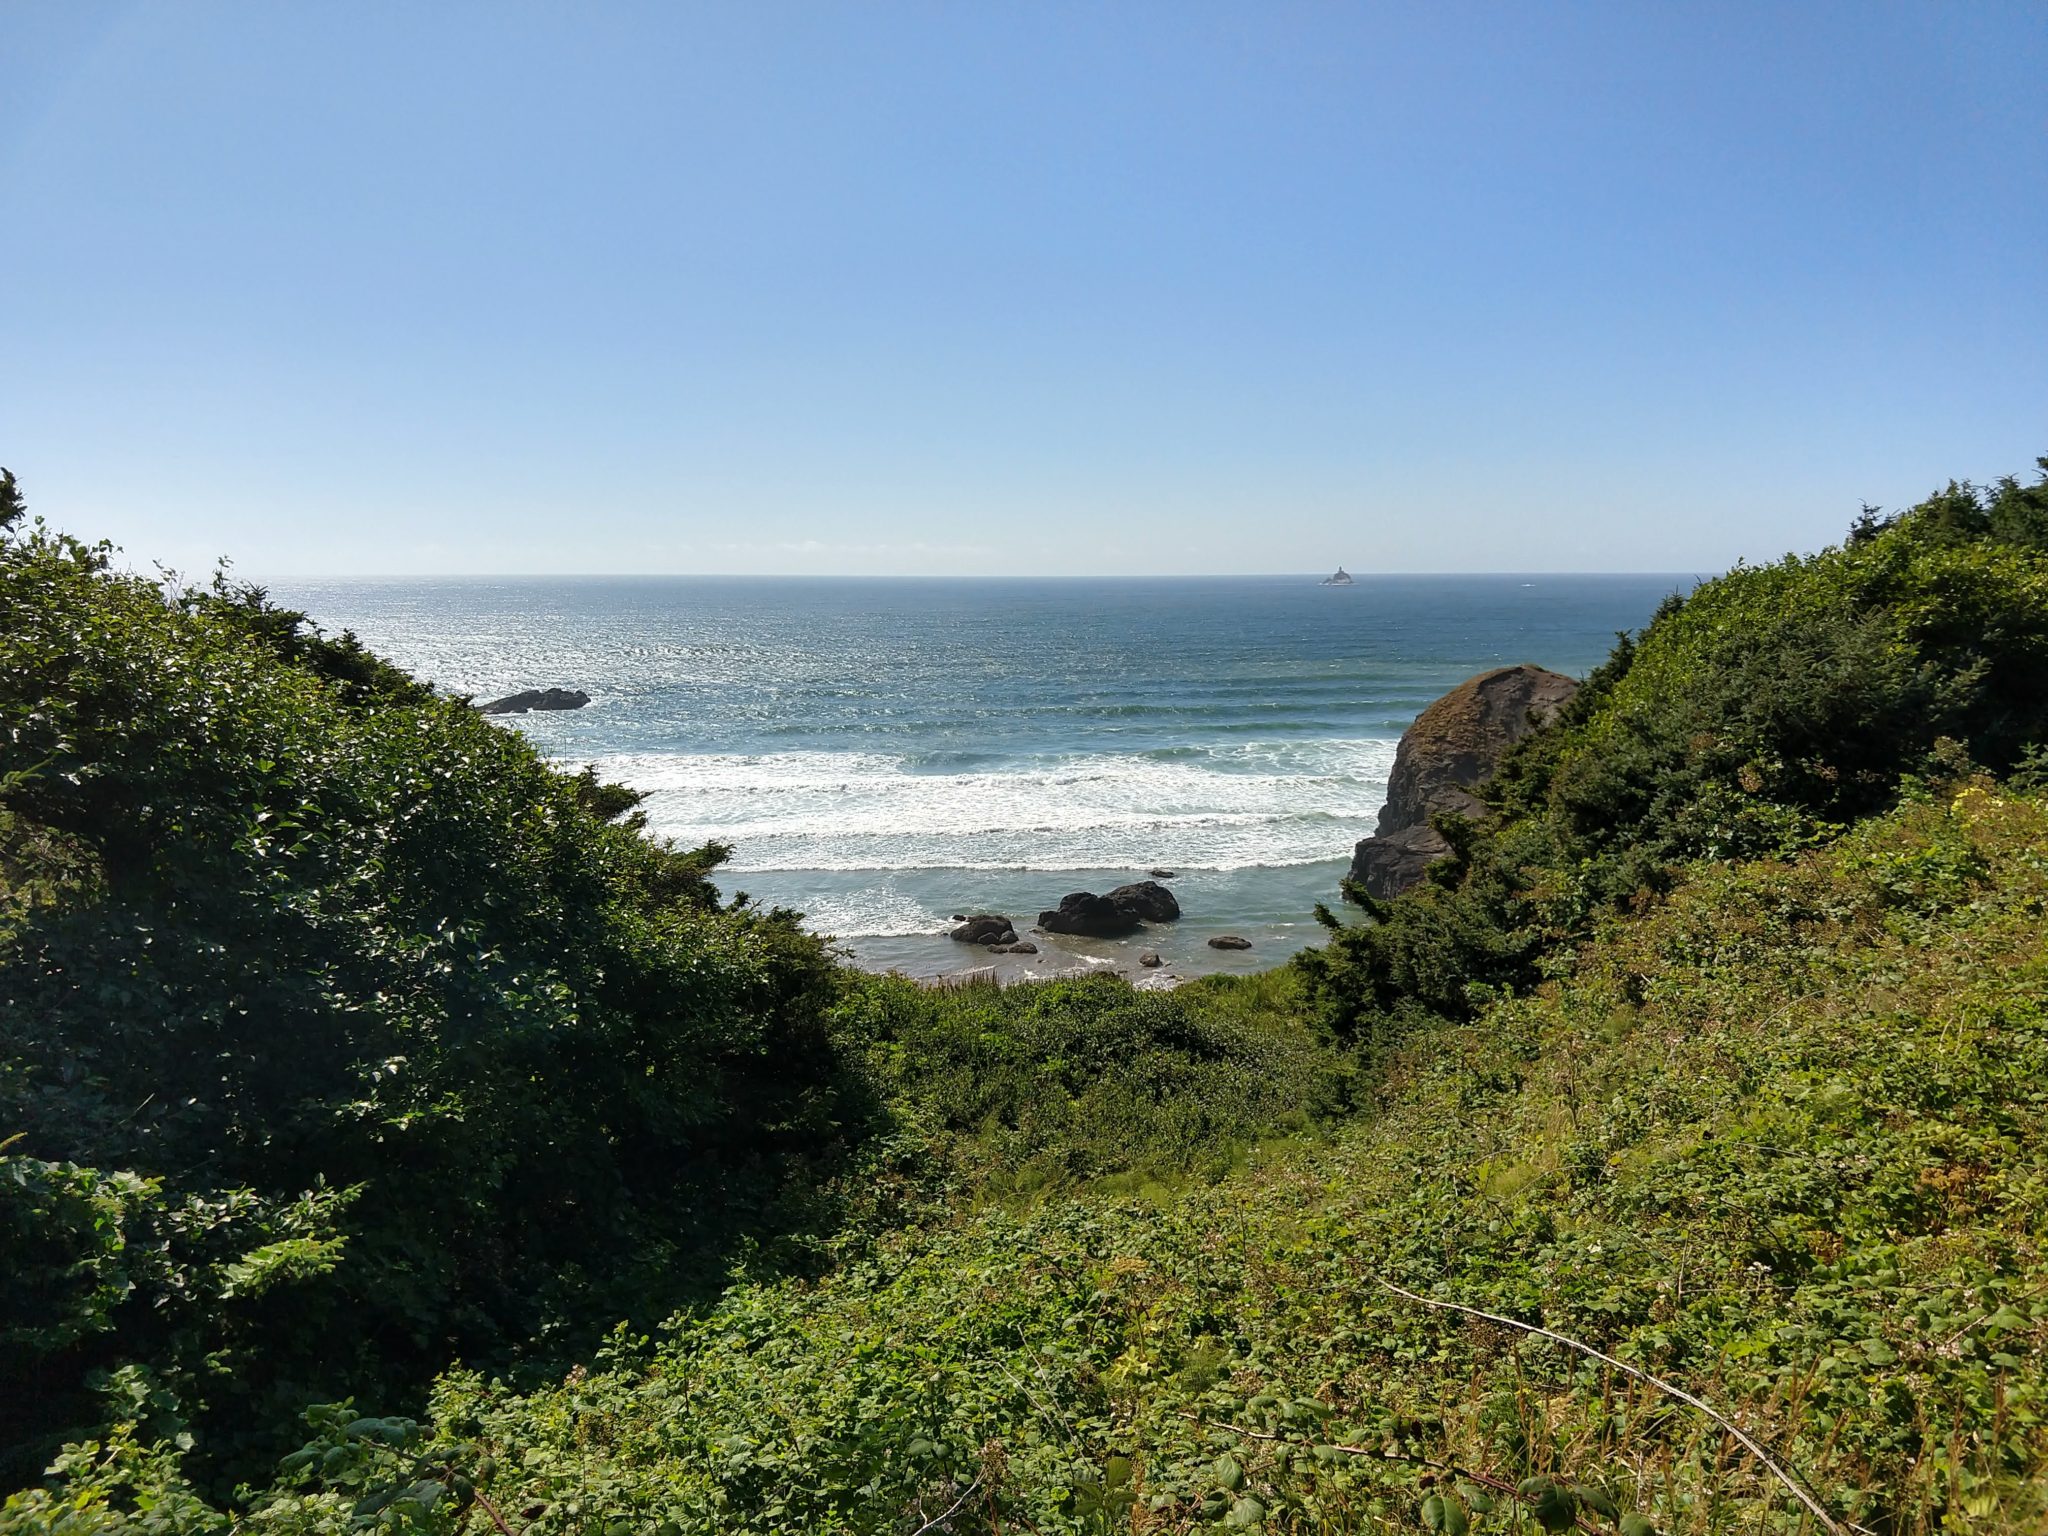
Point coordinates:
[[883, 754]]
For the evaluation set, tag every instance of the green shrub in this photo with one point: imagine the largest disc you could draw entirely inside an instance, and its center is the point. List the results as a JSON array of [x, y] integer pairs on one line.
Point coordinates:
[[275, 919], [1055, 1084], [1782, 1142], [1762, 713]]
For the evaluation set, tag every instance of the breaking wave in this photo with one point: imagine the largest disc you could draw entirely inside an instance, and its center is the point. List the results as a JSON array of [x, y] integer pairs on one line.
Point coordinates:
[[1232, 806]]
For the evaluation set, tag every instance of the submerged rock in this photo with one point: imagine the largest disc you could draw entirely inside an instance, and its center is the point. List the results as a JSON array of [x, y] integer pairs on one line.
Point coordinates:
[[1160, 874], [1453, 747], [536, 698]]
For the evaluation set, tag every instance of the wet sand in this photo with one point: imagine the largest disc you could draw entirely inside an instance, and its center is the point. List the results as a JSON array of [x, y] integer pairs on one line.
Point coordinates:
[[1182, 947]]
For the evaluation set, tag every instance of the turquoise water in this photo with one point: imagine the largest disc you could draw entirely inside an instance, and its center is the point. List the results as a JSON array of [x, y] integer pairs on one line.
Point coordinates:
[[882, 754]]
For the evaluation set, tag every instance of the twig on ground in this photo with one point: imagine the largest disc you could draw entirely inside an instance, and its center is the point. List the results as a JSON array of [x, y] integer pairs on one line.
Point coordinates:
[[1777, 1469], [938, 1520], [492, 1510]]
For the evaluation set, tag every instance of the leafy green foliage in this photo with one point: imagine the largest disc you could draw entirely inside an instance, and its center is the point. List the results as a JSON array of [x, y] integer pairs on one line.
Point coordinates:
[[12, 507], [277, 920], [1087, 1082], [1781, 1141], [341, 1037], [1762, 713]]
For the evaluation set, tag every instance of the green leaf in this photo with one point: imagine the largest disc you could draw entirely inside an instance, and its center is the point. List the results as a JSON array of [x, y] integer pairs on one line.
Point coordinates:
[[1596, 1500], [1555, 1508]]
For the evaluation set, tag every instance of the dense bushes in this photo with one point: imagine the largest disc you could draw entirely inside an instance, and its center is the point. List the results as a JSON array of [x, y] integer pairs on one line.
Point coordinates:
[[344, 1042], [1767, 709], [1783, 1142], [1089, 1081], [339, 1035]]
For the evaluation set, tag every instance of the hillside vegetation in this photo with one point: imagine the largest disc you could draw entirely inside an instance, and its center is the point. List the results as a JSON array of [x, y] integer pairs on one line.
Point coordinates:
[[345, 1045]]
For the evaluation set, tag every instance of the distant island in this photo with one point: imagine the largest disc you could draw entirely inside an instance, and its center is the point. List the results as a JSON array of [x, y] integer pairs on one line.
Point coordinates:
[[1341, 579]]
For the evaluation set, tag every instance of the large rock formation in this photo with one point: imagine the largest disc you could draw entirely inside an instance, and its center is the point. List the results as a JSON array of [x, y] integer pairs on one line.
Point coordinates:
[[1106, 917], [985, 928], [1453, 747], [1090, 915], [536, 698], [1147, 900]]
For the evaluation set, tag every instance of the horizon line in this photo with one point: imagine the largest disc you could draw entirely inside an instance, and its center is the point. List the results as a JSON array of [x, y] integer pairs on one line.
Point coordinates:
[[1310, 577]]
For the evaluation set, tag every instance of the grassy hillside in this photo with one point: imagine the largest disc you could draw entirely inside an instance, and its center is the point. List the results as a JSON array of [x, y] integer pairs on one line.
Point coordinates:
[[1783, 1143]]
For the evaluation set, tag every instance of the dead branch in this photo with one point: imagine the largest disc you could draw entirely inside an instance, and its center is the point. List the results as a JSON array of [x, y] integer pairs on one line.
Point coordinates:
[[492, 1510], [1777, 1469], [939, 1520]]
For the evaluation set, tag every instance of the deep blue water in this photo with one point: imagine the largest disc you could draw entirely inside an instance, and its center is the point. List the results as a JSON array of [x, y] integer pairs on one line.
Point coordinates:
[[882, 753]]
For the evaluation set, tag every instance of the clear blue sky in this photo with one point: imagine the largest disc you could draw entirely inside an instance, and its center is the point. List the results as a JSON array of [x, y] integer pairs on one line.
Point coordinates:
[[980, 287]]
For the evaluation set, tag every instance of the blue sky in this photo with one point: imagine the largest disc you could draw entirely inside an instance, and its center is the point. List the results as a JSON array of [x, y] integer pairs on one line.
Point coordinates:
[[1013, 288]]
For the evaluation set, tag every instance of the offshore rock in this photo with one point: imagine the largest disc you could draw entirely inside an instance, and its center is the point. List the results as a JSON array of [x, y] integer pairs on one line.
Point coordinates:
[[1090, 915], [1147, 900], [1453, 747], [1229, 941], [988, 928], [536, 698]]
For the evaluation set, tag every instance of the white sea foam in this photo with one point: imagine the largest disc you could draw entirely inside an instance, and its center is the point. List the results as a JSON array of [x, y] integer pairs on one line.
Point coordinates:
[[873, 911], [1254, 803]]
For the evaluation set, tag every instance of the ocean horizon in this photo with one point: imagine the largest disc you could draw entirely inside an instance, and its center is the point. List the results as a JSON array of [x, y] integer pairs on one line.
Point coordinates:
[[882, 753]]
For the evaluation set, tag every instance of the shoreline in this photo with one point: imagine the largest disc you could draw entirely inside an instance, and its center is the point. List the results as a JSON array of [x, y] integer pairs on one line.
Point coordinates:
[[1182, 945], [1271, 907]]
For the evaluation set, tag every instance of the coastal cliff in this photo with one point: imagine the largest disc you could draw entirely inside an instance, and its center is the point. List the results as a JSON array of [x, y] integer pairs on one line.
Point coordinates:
[[1453, 747]]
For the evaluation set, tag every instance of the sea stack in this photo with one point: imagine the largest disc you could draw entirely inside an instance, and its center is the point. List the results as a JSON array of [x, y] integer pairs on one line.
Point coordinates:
[[1453, 747]]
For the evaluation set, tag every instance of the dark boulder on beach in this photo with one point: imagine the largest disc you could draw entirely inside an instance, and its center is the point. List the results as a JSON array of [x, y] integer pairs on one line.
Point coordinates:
[[1150, 958], [1454, 747], [1229, 941], [1147, 900], [536, 698], [1089, 915], [987, 928]]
